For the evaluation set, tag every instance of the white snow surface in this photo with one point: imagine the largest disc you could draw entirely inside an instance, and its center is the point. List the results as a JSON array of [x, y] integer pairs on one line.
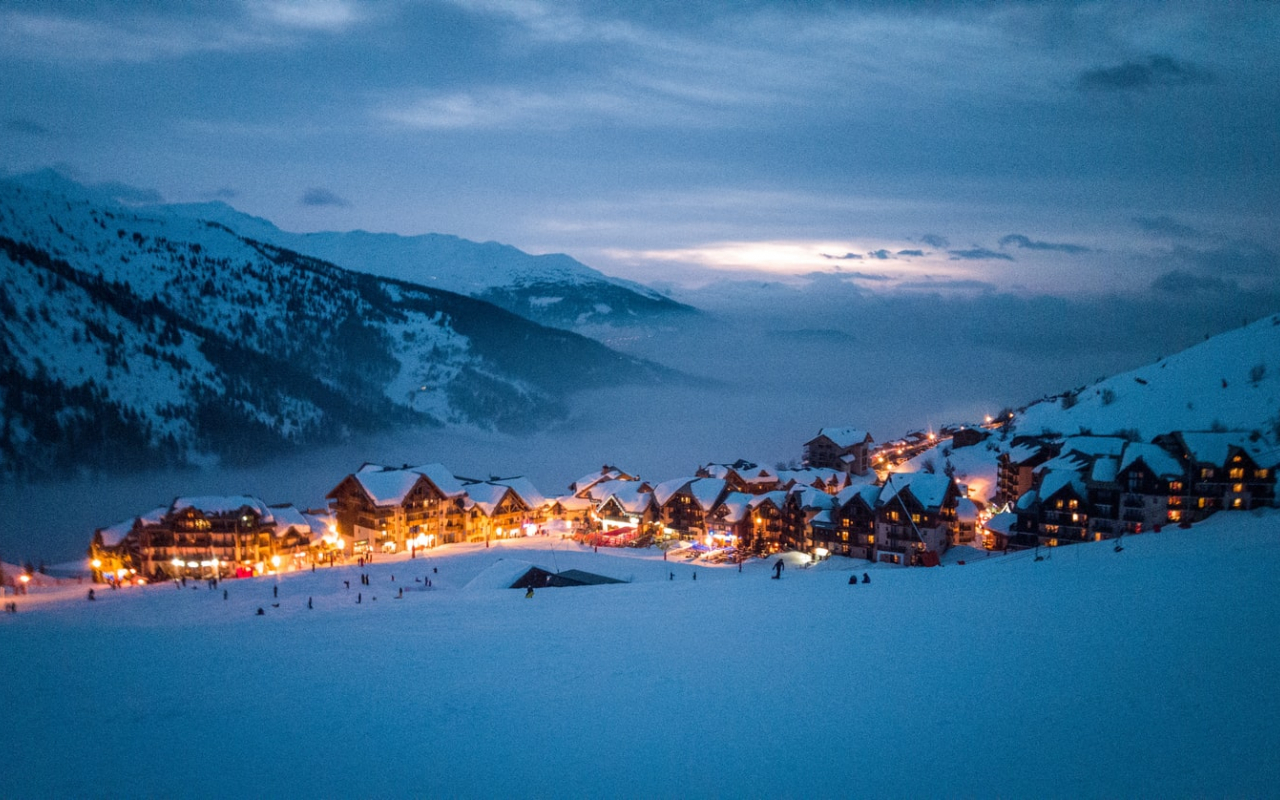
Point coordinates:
[[1089, 674]]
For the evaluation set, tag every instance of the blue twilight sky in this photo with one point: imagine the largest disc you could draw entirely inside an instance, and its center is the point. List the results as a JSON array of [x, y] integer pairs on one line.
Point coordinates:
[[1043, 147]]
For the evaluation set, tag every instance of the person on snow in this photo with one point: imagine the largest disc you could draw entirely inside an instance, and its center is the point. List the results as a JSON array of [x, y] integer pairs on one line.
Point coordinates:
[[866, 578], [853, 580], [261, 613], [224, 594], [91, 597], [529, 593]]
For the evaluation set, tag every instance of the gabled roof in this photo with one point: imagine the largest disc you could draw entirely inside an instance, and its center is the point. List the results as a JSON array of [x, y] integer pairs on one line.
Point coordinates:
[[665, 490], [776, 498], [930, 490], [606, 473], [1104, 470], [706, 491], [487, 496], [1001, 523], [967, 509], [1156, 458], [842, 437], [601, 490], [1095, 445], [155, 516], [523, 488], [867, 492], [571, 502], [388, 487], [737, 506], [286, 517], [113, 535], [1056, 480], [630, 498], [443, 479]]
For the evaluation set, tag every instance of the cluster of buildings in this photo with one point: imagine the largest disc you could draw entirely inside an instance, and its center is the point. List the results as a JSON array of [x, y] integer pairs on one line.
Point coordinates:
[[1088, 488], [844, 500]]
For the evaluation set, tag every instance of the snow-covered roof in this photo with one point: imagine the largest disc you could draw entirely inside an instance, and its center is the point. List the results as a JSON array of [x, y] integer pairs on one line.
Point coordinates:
[[606, 473], [1027, 500], [967, 510], [571, 502], [286, 517], [601, 490], [1215, 448], [388, 487], [320, 524], [525, 488], [113, 535], [706, 491], [665, 490], [1157, 459], [444, 479], [1104, 470], [630, 497], [1001, 523], [219, 505], [486, 496], [1056, 480], [843, 437], [929, 489], [810, 498], [777, 498], [869, 492], [1095, 445], [737, 506]]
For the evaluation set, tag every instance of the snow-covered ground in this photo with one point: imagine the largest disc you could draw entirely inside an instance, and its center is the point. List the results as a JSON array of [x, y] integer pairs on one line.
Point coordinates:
[[1147, 672]]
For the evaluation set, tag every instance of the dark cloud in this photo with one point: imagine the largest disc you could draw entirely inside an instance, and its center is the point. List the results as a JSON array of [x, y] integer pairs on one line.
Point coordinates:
[[226, 193], [880, 254], [1234, 258], [1167, 226], [1155, 70], [26, 127], [911, 252], [316, 196], [1180, 282], [867, 276], [1030, 244], [978, 254], [845, 257], [934, 240]]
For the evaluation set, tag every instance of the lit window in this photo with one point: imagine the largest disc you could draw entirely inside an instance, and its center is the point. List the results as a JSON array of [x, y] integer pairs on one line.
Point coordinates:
[[1237, 503], [1175, 516], [1074, 504], [1262, 473]]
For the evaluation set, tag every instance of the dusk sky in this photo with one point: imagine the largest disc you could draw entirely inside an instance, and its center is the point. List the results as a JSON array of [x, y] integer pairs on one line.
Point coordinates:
[[1036, 147]]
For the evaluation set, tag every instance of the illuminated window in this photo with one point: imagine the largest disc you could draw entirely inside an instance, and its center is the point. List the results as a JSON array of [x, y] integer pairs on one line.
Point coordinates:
[[1237, 487], [1262, 473], [1203, 502], [1237, 473], [1175, 486], [1074, 504], [1237, 503], [1075, 517], [1059, 504], [1207, 472], [1175, 516]]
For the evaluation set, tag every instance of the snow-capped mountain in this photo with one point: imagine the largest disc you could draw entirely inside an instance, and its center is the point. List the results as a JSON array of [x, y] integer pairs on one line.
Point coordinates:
[[136, 339], [554, 289], [1230, 381]]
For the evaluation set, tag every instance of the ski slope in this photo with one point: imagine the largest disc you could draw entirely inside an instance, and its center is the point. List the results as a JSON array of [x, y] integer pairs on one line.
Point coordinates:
[[1091, 673]]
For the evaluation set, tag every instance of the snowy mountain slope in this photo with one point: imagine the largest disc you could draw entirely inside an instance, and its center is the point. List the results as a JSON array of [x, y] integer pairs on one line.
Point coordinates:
[[132, 339], [1231, 381], [550, 289], [1090, 674]]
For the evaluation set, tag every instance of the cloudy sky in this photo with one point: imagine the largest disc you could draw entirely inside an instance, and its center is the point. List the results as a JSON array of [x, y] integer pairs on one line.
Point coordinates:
[[1033, 147]]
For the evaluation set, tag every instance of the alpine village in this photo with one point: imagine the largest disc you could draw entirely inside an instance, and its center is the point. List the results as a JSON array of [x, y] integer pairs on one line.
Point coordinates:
[[890, 503]]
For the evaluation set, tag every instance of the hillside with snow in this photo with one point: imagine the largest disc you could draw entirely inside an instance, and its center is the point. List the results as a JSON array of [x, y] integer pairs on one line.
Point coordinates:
[[552, 289], [1091, 673], [1230, 381], [132, 340]]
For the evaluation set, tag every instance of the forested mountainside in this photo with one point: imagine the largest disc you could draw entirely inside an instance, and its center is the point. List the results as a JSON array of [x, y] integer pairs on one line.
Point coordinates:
[[130, 340]]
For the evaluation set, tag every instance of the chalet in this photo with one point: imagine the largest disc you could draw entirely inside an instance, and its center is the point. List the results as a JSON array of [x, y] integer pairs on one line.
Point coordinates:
[[114, 553], [729, 521], [1016, 467], [915, 514], [846, 450], [855, 514], [1223, 470], [813, 526], [495, 511], [580, 487], [968, 525], [684, 504], [831, 481], [388, 509], [205, 536], [742, 476], [629, 505], [766, 523]]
